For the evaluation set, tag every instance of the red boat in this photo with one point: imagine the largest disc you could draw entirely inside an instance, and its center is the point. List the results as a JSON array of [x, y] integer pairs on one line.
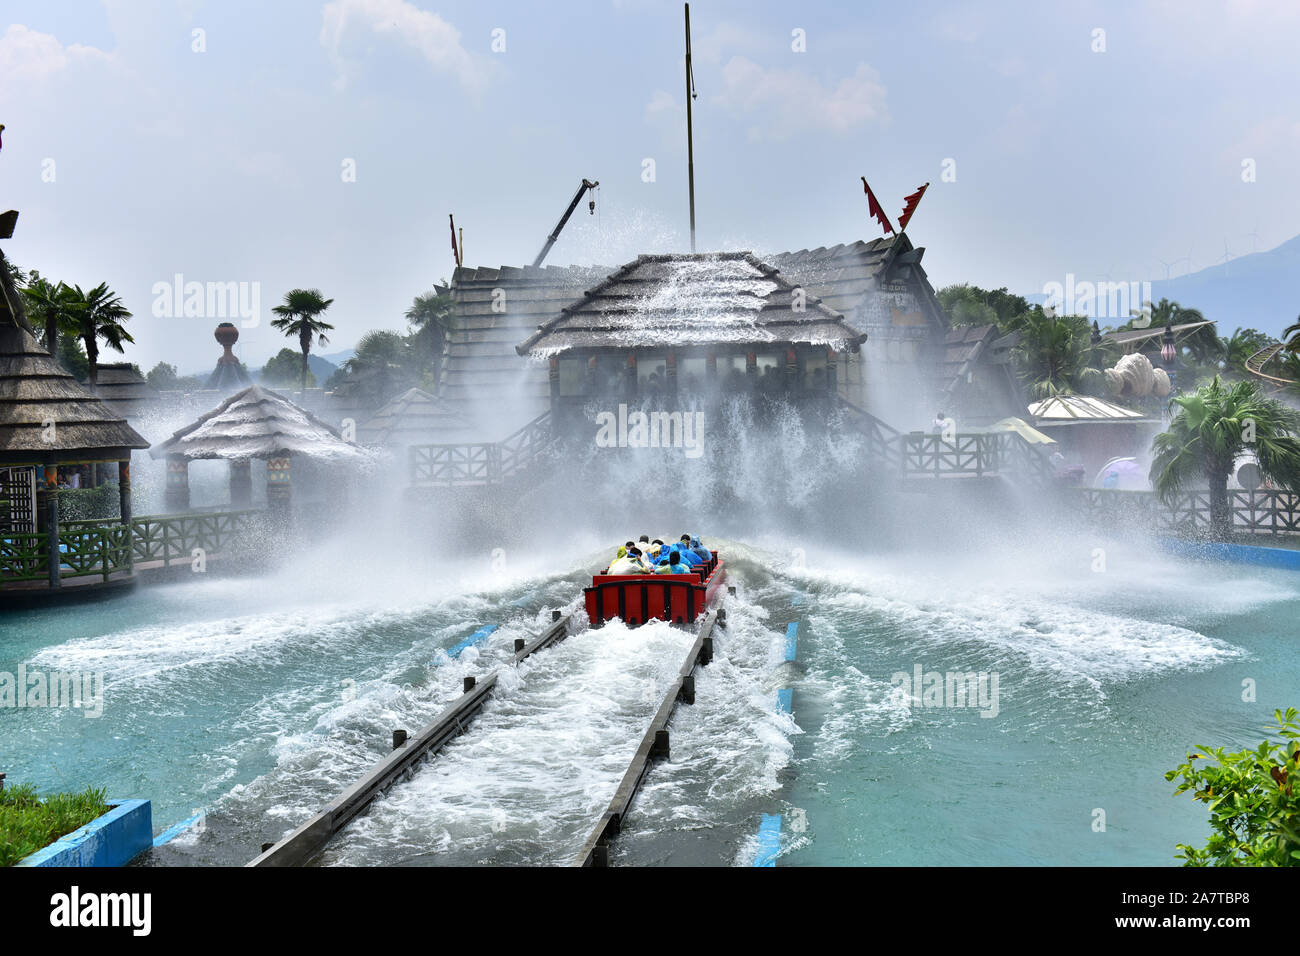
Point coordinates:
[[637, 598]]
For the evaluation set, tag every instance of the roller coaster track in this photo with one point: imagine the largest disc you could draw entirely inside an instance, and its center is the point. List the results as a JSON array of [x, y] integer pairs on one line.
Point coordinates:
[[309, 840], [1255, 365]]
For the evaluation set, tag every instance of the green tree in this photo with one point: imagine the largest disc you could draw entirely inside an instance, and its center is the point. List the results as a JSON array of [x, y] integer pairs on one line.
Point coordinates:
[[162, 376], [1240, 346], [52, 306], [283, 369], [431, 317], [299, 315], [1055, 356], [73, 357], [384, 364], [1253, 798], [98, 314], [1214, 425], [970, 305]]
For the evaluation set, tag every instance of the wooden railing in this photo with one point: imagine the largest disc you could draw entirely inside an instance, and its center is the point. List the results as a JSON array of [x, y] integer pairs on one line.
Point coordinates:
[[481, 463], [1253, 512], [919, 455], [167, 538], [103, 548]]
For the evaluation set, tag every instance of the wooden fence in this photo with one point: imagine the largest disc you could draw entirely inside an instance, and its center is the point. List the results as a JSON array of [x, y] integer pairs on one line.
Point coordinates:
[[105, 548], [1253, 512], [481, 463]]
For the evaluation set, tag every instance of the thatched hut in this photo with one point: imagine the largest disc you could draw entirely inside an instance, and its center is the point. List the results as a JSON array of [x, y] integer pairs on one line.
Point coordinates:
[[121, 387], [255, 423], [48, 421]]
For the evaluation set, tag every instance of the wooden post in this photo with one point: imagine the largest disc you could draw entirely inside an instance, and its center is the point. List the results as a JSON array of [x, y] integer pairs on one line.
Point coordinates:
[[553, 379], [52, 529], [177, 493], [751, 368], [279, 487], [124, 490], [241, 483], [831, 385], [629, 377], [670, 378]]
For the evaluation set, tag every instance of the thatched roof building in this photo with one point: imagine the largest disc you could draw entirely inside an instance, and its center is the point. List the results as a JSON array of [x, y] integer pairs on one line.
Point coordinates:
[[712, 299], [121, 387], [414, 418], [37, 392], [259, 423]]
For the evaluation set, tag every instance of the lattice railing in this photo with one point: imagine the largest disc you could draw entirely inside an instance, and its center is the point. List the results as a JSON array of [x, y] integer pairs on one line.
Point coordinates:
[[481, 463]]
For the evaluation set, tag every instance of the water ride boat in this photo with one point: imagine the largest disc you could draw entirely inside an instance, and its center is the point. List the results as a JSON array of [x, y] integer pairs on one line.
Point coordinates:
[[637, 598]]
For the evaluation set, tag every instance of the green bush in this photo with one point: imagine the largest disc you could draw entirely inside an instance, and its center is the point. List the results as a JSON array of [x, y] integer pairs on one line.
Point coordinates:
[[1253, 798], [28, 823], [89, 504]]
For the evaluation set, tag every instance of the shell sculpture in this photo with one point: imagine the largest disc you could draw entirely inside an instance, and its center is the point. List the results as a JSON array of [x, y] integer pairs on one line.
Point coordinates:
[[1134, 377]]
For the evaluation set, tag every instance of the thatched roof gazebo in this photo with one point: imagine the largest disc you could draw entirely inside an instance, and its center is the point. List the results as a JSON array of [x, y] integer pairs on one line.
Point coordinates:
[[47, 420], [253, 423]]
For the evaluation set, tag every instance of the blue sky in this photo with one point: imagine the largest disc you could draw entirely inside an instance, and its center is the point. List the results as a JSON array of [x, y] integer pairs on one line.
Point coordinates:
[[227, 165]]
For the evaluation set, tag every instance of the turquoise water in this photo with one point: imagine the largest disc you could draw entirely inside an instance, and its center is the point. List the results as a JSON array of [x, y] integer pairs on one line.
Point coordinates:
[[258, 700]]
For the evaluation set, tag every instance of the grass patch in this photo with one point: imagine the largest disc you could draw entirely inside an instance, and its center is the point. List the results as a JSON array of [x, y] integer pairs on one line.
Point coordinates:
[[28, 823]]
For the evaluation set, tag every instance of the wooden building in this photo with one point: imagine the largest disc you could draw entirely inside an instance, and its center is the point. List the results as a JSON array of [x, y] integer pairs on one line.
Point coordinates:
[[904, 364]]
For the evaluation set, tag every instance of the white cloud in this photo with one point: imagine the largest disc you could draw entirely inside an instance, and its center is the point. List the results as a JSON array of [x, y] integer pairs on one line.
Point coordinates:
[[28, 55], [792, 102], [428, 34]]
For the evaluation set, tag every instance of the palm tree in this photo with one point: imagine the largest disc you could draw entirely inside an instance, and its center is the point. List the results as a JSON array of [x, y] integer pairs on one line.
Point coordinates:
[[382, 364], [431, 315], [53, 305], [1056, 356], [298, 316], [1214, 425], [94, 315], [1291, 336]]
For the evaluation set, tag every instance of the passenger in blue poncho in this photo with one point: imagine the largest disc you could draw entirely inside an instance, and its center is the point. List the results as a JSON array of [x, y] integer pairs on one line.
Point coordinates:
[[673, 564], [689, 557], [696, 546]]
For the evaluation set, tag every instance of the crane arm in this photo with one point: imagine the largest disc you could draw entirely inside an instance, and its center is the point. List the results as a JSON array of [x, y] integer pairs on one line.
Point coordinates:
[[559, 226]]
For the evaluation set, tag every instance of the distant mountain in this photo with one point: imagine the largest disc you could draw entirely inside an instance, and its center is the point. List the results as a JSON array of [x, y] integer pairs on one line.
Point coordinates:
[[1256, 291], [338, 358], [321, 367]]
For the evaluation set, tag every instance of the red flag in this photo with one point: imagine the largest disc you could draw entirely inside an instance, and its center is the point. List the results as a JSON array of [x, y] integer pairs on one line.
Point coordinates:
[[455, 253], [909, 206], [873, 208]]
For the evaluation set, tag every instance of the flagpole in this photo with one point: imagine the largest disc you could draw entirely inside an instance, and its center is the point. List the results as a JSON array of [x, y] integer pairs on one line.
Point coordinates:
[[690, 139]]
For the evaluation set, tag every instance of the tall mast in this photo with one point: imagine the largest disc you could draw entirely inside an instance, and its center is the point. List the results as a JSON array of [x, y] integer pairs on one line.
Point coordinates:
[[690, 144]]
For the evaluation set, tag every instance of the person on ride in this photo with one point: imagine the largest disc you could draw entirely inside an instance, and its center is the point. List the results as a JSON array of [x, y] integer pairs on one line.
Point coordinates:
[[673, 565], [698, 547], [639, 556], [689, 557], [627, 563]]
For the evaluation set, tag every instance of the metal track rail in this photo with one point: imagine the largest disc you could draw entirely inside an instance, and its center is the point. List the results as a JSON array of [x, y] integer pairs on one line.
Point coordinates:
[[305, 843], [654, 745]]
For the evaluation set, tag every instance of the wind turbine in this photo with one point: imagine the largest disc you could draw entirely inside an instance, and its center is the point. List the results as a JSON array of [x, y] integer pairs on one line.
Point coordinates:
[[1226, 256]]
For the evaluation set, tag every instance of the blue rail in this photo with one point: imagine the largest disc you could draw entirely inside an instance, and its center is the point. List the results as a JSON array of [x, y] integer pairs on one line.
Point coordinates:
[[769, 840], [477, 637]]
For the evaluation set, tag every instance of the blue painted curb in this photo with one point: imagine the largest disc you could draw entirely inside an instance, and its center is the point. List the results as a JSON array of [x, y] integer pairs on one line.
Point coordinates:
[[769, 840], [477, 637], [114, 839], [1239, 553], [791, 640], [172, 832]]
